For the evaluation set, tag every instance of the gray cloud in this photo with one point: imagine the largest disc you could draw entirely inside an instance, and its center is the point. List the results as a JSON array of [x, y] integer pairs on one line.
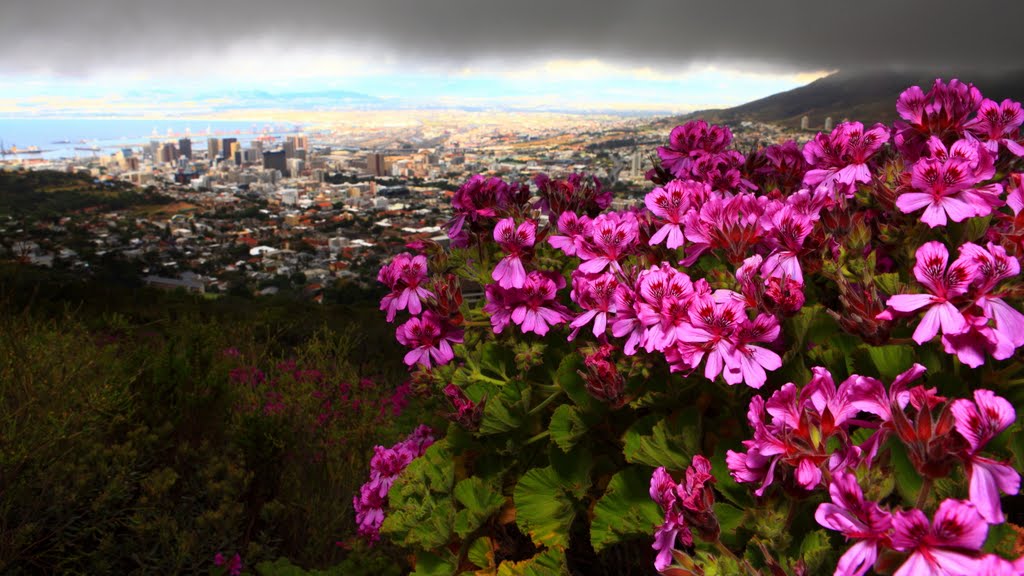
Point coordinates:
[[78, 37]]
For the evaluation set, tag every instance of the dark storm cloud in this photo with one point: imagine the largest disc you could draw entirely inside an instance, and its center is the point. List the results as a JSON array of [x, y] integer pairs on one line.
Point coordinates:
[[81, 36]]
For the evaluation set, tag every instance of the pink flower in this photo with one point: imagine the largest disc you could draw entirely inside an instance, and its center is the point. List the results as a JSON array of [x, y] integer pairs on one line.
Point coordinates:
[[669, 205], [403, 276], [575, 230], [999, 124], [840, 159], [948, 546], [615, 234], [687, 505], [992, 266], [930, 270], [537, 309], [689, 141], [713, 330], [788, 230], [943, 112], [978, 422], [992, 565], [947, 184], [734, 225], [429, 337], [747, 363], [856, 519], [595, 293], [515, 241]]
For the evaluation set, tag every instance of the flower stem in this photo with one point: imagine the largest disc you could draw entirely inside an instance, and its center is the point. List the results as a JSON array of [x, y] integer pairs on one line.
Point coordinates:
[[922, 496], [483, 378], [538, 437], [545, 402]]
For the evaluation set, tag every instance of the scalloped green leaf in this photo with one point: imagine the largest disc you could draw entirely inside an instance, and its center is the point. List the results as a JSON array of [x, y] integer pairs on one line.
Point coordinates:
[[668, 442], [479, 500], [891, 361], [420, 508], [505, 410], [428, 564], [569, 379], [545, 502], [481, 553], [546, 563], [626, 510], [567, 427]]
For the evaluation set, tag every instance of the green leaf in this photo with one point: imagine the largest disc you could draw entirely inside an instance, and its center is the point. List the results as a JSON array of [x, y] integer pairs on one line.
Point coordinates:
[[888, 283], [730, 519], [428, 564], [496, 359], [481, 553], [626, 510], [567, 427], [570, 380], [908, 480], [506, 410], [546, 563], [975, 228], [545, 499], [480, 500], [891, 361], [420, 508], [816, 551], [668, 442]]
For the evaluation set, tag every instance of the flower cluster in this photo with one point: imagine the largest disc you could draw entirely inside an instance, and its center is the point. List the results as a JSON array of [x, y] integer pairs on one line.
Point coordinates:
[[430, 335], [385, 466], [964, 302], [234, 566], [687, 505]]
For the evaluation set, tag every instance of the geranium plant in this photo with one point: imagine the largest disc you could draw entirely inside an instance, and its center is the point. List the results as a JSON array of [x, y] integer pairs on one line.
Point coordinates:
[[856, 297]]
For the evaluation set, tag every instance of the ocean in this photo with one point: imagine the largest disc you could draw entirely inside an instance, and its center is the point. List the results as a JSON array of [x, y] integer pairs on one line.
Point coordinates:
[[60, 138]]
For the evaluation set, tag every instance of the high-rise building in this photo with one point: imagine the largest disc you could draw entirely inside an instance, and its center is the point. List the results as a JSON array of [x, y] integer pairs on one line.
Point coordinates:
[[828, 124], [227, 148], [275, 160], [185, 148], [805, 123], [212, 148], [375, 164], [299, 141]]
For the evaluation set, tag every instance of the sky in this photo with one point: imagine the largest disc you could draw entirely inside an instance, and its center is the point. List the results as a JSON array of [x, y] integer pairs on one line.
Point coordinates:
[[194, 57]]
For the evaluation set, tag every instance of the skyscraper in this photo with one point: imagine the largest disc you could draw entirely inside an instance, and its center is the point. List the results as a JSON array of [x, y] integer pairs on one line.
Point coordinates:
[[212, 148], [805, 123], [227, 148], [375, 164], [185, 147], [276, 160]]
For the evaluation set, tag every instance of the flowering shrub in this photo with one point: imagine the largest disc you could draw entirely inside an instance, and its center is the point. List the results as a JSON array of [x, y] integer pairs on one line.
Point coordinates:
[[614, 349]]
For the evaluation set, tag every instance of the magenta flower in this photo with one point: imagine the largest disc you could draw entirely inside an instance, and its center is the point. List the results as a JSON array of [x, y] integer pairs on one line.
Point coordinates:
[[626, 322], [234, 567], [595, 293], [930, 271], [404, 276], [479, 198], [747, 363], [998, 124], [788, 230], [385, 466], [947, 546], [713, 327], [735, 225], [536, 309], [689, 504], [992, 565], [614, 236], [663, 299], [839, 160], [574, 232], [670, 204], [857, 519], [430, 337], [979, 422], [992, 266], [515, 241], [947, 184], [943, 112], [690, 141]]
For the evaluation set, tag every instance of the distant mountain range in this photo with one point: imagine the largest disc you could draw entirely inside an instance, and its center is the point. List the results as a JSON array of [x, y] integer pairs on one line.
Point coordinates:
[[865, 97]]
